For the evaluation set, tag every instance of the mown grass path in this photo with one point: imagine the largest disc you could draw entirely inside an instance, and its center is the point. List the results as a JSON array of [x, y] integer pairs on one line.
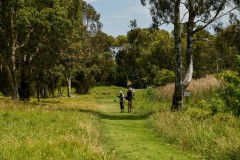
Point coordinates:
[[130, 136]]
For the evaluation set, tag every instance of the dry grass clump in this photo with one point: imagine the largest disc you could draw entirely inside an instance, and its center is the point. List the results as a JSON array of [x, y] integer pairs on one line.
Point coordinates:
[[202, 85]]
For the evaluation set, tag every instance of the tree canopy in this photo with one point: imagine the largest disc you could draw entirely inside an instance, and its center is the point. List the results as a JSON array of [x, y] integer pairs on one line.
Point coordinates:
[[46, 45]]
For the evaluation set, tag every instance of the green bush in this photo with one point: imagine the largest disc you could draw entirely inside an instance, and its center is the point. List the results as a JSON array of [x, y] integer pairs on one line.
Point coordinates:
[[150, 94], [217, 105], [164, 77], [213, 103], [230, 92]]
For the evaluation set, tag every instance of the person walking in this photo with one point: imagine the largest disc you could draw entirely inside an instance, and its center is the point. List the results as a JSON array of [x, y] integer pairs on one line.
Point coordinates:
[[121, 96], [130, 94]]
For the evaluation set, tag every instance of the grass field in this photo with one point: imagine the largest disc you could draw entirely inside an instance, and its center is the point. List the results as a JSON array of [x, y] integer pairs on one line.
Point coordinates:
[[53, 129], [88, 127], [92, 127]]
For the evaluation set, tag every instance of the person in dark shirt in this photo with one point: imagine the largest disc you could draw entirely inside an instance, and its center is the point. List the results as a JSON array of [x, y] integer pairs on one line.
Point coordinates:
[[130, 94]]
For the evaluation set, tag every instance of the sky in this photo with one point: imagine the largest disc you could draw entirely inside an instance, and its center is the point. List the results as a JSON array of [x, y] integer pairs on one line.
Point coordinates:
[[117, 14]]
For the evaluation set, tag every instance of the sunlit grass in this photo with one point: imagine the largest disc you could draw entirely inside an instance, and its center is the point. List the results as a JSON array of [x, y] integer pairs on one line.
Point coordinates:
[[213, 137], [52, 129]]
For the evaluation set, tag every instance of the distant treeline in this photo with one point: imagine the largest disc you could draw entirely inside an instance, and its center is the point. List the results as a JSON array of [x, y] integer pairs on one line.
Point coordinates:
[[49, 44]]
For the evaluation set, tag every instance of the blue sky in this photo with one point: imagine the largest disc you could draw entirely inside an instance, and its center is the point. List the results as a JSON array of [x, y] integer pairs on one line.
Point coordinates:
[[117, 14]]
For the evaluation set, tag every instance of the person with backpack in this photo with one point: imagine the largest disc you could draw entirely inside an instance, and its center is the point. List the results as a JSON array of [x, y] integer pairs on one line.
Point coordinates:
[[130, 94], [122, 98]]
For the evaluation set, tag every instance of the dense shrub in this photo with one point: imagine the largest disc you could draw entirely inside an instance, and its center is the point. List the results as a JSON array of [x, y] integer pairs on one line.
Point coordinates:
[[230, 91], [214, 104], [163, 77]]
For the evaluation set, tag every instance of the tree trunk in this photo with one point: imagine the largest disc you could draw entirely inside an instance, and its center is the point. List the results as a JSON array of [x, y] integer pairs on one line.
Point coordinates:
[[38, 91], [12, 80], [189, 54], [53, 88], [178, 91], [189, 57], [15, 95], [45, 91], [69, 86], [24, 91]]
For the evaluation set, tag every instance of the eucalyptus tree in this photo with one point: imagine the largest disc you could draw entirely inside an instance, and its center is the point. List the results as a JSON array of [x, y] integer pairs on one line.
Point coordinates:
[[91, 18], [31, 33], [227, 45], [205, 52], [204, 13], [141, 54], [71, 51], [15, 33], [51, 28]]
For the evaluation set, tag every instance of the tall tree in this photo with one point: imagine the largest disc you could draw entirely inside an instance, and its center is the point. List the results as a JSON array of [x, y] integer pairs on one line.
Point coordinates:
[[15, 34], [206, 12]]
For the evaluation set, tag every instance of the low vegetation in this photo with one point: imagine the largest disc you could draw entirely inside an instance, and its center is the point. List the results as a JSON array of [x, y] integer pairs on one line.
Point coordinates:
[[212, 137], [208, 126], [52, 129], [68, 128]]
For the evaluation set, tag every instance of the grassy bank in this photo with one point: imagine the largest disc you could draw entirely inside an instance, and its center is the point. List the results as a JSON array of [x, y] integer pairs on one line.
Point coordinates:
[[198, 128], [212, 137], [52, 129]]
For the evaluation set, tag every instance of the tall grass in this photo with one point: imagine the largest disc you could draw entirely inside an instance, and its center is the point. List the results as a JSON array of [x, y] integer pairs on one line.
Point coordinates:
[[197, 87], [212, 136], [216, 137], [148, 101], [52, 129]]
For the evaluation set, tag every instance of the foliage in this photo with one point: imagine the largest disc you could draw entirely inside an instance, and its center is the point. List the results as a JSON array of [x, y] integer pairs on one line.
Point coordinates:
[[164, 77], [214, 104], [206, 12], [51, 41], [230, 91], [205, 128], [144, 53]]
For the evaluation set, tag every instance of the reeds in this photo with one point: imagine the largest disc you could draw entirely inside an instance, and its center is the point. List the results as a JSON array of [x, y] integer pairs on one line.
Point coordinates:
[[198, 86]]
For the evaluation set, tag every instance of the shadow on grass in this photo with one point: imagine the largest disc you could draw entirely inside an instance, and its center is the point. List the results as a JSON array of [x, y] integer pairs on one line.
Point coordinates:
[[115, 116]]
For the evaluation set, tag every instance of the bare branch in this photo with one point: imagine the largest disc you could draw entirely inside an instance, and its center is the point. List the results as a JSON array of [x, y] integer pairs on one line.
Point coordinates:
[[185, 4], [26, 39], [222, 15], [184, 16], [199, 21], [215, 17], [162, 24]]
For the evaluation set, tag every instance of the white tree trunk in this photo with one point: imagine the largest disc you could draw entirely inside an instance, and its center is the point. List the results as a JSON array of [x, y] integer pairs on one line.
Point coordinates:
[[189, 74], [69, 86]]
